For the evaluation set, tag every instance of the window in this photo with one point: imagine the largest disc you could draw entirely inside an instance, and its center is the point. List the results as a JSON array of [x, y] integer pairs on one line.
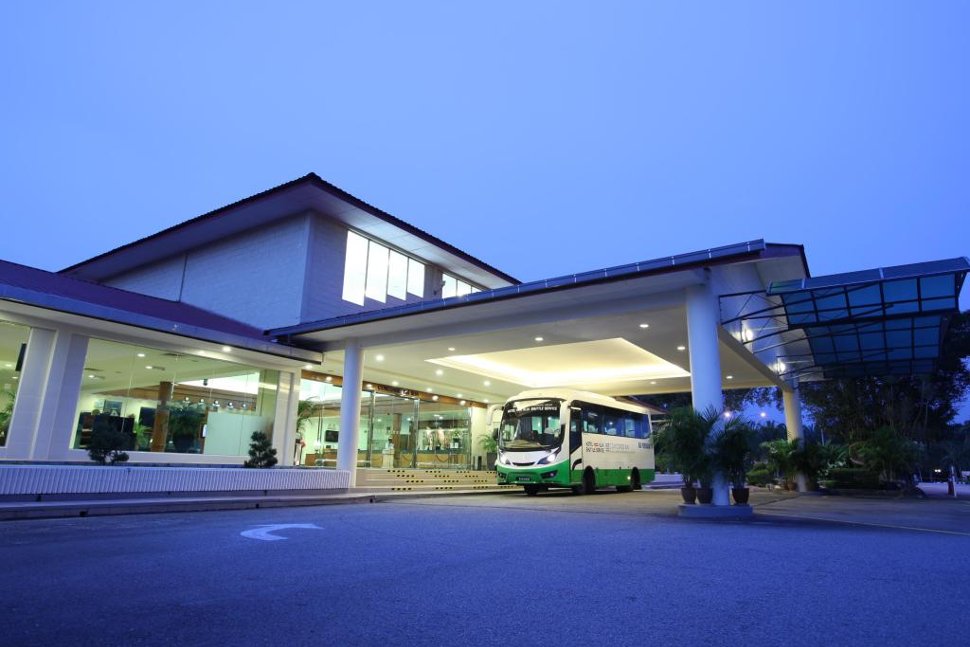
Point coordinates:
[[376, 272], [455, 287]]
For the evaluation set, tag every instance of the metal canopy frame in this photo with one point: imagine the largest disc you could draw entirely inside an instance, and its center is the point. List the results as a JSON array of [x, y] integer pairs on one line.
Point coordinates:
[[888, 321]]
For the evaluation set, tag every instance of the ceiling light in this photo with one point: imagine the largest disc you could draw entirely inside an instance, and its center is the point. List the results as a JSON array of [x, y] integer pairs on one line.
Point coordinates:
[[13, 377], [91, 376], [653, 382], [681, 348], [329, 379], [487, 383], [644, 325], [485, 400], [458, 395], [439, 372], [139, 355], [434, 397], [730, 377], [538, 338], [429, 389], [451, 349], [379, 358], [149, 367], [370, 387], [227, 349], [394, 382], [308, 366], [462, 403]]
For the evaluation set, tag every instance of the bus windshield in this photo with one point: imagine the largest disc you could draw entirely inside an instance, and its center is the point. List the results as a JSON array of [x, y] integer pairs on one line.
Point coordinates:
[[530, 425]]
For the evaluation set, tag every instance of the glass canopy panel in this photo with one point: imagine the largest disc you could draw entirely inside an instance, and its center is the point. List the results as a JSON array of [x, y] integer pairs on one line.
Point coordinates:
[[872, 322]]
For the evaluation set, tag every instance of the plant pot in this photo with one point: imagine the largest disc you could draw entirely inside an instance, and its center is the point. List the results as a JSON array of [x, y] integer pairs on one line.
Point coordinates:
[[740, 495], [689, 494], [705, 494]]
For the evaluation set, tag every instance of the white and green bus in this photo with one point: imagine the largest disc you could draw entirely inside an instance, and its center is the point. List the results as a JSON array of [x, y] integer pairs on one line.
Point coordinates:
[[561, 438]]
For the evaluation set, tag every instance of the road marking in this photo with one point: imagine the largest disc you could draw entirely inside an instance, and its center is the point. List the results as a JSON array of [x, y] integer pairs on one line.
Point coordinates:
[[265, 533]]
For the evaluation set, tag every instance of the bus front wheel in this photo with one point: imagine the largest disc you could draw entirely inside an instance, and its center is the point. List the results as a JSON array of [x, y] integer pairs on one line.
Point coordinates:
[[531, 490]]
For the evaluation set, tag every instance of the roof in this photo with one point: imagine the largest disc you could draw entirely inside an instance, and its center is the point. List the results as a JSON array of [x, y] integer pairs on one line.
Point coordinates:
[[39, 288], [286, 200], [750, 250], [886, 321]]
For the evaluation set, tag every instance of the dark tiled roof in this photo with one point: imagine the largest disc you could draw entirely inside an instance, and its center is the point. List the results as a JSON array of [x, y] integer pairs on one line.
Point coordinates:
[[66, 294]]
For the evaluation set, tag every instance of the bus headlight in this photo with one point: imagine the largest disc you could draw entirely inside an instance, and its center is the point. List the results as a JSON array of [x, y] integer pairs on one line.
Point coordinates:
[[504, 460], [549, 459]]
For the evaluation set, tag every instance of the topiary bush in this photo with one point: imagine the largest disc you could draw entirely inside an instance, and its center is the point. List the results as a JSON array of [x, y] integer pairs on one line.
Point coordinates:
[[759, 475], [261, 453], [108, 444]]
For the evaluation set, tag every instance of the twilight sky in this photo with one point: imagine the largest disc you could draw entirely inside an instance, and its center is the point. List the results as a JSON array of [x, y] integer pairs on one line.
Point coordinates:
[[545, 138]]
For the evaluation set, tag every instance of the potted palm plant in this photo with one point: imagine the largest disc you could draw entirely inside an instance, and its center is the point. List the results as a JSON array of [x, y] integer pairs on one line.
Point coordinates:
[[681, 445], [731, 450], [184, 424]]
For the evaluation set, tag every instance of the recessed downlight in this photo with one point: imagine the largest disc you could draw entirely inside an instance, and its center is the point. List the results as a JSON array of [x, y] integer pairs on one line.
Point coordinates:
[[462, 403], [138, 355], [451, 349], [539, 338], [379, 357], [439, 372], [434, 397], [730, 377], [644, 325], [395, 383], [429, 390], [681, 348], [487, 383], [227, 349]]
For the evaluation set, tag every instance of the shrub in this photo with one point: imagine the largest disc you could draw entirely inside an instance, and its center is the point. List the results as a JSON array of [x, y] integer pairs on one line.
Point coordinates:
[[851, 478], [261, 454], [759, 475], [107, 445]]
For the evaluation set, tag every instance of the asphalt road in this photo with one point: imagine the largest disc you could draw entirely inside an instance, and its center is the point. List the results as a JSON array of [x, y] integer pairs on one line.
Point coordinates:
[[611, 569]]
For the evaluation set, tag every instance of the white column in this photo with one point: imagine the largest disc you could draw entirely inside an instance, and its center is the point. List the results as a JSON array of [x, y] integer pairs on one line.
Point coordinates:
[[793, 425], [705, 362], [350, 409], [284, 425], [30, 394], [58, 413]]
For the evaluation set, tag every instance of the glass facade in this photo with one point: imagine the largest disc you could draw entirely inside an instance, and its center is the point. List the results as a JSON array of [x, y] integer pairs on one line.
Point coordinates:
[[396, 431], [173, 402], [13, 344]]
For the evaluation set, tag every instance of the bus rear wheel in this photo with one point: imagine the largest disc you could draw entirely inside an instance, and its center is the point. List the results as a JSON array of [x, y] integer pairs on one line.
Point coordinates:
[[634, 483], [589, 482]]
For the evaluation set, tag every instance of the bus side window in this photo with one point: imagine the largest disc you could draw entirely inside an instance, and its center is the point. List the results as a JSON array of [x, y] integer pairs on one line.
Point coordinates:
[[642, 426], [629, 427]]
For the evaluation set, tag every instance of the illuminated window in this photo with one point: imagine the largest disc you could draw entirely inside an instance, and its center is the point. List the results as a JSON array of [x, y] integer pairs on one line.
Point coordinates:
[[376, 272], [455, 287]]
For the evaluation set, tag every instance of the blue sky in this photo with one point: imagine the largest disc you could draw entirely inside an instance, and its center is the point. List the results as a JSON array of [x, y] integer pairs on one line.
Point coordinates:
[[544, 137]]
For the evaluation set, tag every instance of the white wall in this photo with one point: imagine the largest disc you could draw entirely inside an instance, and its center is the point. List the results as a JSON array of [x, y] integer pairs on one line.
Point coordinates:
[[162, 279], [256, 277]]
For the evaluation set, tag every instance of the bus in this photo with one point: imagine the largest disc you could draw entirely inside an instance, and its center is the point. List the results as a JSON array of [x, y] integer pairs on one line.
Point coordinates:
[[562, 438]]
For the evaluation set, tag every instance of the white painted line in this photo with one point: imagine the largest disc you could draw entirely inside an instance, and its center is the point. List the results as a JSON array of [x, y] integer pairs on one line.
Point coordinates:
[[265, 533]]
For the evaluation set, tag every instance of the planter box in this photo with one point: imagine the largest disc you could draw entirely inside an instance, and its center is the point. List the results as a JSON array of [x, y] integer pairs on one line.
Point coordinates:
[[35, 480]]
